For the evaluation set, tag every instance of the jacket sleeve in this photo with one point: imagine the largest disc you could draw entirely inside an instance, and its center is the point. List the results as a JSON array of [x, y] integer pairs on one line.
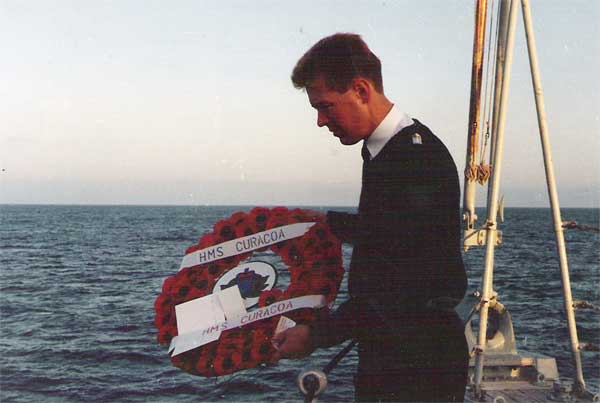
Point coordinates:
[[349, 321], [336, 327]]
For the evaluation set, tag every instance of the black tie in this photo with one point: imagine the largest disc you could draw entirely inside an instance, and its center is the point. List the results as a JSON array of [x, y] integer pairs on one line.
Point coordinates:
[[366, 155]]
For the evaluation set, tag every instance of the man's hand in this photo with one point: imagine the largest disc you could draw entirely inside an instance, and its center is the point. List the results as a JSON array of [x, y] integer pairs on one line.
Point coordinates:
[[293, 343]]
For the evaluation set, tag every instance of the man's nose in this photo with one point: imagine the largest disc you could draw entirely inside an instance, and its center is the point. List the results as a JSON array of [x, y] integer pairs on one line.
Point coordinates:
[[321, 119]]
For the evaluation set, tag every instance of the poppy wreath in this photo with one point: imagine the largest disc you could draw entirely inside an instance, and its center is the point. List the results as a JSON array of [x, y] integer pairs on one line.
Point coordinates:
[[314, 261]]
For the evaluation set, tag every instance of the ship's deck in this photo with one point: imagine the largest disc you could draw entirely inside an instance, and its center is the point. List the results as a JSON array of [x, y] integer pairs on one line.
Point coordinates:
[[514, 391], [526, 377]]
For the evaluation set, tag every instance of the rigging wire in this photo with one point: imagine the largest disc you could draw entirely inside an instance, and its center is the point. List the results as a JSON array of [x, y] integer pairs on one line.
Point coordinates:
[[488, 82], [484, 170]]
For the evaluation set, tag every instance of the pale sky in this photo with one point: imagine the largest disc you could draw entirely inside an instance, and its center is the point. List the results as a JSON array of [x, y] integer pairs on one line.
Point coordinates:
[[190, 102]]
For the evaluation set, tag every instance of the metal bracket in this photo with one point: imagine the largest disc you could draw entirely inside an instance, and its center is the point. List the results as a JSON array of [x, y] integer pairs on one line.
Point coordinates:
[[477, 237]]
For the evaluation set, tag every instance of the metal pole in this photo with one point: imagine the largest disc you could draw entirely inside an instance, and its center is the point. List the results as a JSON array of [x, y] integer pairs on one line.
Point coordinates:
[[552, 193], [493, 206], [503, 19], [474, 116], [500, 57]]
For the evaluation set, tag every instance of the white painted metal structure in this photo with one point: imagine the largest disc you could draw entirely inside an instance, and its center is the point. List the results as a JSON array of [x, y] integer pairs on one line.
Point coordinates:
[[505, 46], [552, 193], [491, 224]]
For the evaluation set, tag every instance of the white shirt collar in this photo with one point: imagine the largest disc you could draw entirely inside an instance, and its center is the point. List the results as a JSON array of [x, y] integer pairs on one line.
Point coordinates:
[[393, 122]]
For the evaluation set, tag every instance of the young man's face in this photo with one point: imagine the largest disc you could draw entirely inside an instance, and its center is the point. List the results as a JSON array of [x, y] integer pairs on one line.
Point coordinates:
[[344, 114]]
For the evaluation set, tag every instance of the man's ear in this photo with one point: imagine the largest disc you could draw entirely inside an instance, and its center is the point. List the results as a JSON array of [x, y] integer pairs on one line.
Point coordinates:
[[363, 89]]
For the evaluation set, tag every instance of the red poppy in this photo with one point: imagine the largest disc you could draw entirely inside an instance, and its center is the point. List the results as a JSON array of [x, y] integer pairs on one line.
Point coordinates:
[[168, 284], [201, 366], [237, 218], [243, 229], [310, 241], [225, 230], [334, 274], [258, 218], [166, 319], [269, 297], [192, 249], [180, 289], [275, 222], [165, 335], [292, 253], [279, 211], [162, 304], [299, 274], [177, 360], [325, 287], [246, 359], [171, 327], [227, 346], [312, 255], [189, 359], [209, 240], [262, 348], [195, 293], [298, 290], [225, 364]]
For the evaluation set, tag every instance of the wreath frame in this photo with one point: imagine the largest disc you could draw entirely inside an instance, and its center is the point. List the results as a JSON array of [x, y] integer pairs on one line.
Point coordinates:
[[313, 260]]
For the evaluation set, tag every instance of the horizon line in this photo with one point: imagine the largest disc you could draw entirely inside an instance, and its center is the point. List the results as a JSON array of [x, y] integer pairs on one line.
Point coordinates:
[[241, 205]]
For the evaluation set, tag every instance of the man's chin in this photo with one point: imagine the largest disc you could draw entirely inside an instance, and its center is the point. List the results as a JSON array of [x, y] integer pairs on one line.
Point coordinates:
[[347, 141]]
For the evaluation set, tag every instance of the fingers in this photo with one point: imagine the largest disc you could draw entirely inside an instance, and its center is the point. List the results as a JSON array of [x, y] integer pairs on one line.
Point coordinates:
[[277, 341], [280, 336], [281, 343]]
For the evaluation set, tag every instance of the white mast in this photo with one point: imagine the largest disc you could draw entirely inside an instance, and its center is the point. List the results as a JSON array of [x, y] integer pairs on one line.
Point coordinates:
[[491, 224], [552, 193]]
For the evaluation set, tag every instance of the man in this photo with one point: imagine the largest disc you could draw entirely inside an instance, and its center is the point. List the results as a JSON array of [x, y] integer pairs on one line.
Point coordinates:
[[406, 273]]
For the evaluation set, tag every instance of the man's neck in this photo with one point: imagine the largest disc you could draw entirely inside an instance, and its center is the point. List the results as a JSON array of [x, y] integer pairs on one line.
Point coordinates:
[[381, 106]]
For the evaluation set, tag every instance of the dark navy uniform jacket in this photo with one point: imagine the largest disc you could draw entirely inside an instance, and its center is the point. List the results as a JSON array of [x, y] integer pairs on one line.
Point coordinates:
[[406, 260]]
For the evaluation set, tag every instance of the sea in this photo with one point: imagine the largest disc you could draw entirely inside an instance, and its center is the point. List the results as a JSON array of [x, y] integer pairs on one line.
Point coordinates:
[[78, 285]]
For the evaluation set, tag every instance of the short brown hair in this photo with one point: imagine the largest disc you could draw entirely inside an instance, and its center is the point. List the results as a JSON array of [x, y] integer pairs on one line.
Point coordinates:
[[339, 59]]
